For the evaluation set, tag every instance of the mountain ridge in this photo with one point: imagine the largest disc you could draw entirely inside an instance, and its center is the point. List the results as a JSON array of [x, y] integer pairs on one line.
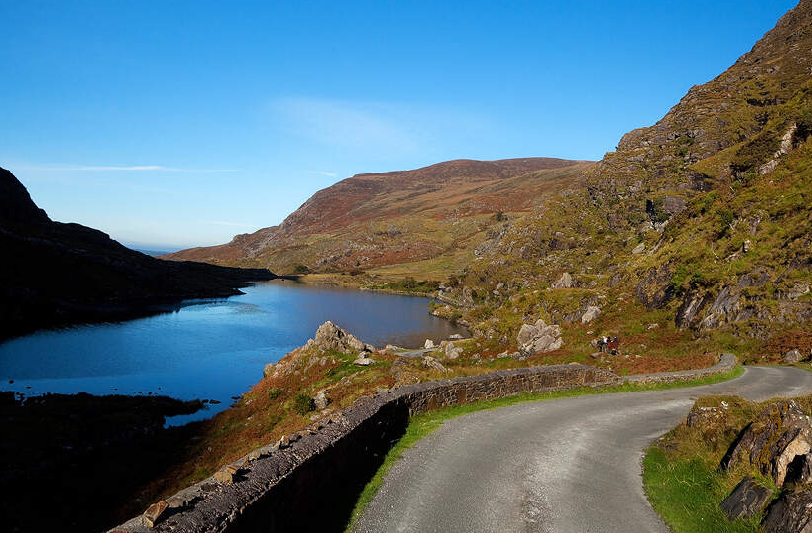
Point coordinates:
[[459, 187], [65, 273]]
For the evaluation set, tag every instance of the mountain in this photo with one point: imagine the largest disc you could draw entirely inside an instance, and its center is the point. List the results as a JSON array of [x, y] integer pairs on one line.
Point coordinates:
[[372, 220], [693, 237], [57, 274], [699, 226]]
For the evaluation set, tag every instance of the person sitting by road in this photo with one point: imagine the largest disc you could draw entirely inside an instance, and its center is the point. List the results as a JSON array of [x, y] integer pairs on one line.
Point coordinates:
[[614, 346]]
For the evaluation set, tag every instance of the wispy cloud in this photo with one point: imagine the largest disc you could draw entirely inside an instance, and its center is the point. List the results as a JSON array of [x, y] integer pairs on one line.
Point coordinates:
[[373, 126], [322, 173], [117, 168]]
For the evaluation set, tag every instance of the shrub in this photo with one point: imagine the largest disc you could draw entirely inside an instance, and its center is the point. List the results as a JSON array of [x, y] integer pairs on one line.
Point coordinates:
[[724, 218], [303, 404], [707, 202], [274, 393], [301, 269]]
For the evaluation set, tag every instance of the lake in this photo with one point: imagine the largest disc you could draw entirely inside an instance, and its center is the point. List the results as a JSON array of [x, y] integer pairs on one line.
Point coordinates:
[[209, 349]]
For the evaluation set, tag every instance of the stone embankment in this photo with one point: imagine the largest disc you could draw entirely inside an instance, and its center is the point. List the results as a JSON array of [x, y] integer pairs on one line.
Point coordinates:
[[325, 466]]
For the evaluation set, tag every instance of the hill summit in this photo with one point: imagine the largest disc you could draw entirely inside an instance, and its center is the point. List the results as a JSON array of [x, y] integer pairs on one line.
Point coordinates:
[[372, 220]]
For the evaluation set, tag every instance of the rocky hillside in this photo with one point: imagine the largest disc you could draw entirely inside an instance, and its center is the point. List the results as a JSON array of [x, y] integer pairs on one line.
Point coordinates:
[[693, 235], [371, 220], [58, 274]]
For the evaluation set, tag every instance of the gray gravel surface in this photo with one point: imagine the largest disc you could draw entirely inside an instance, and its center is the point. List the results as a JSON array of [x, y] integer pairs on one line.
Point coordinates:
[[564, 465]]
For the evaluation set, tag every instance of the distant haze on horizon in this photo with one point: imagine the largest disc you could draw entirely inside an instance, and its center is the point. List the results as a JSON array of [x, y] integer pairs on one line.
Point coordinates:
[[182, 124]]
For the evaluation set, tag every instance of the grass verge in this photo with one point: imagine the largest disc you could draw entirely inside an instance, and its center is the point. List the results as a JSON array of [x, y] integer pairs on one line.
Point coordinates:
[[426, 423], [686, 494]]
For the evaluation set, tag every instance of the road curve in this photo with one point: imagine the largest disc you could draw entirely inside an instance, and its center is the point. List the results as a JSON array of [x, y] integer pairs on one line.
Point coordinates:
[[564, 465]]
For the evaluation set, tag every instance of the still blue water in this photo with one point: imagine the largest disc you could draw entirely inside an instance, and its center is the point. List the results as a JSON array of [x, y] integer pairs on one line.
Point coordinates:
[[208, 350]]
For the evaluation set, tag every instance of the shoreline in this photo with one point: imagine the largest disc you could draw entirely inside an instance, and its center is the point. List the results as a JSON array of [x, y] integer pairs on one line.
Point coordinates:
[[307, 279], [123, 311]]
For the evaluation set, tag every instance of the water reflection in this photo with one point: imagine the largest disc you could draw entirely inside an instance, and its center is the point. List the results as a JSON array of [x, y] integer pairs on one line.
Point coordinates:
[[208, 349]]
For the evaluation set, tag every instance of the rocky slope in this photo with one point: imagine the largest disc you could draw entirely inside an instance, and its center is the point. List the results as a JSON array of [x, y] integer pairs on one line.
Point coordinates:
[[757, 455], [57, 274], [695, 229], [370, 220]]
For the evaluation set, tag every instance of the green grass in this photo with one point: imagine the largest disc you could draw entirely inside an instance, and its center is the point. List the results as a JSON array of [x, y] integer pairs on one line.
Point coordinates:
[[686, 494], [425, 423]]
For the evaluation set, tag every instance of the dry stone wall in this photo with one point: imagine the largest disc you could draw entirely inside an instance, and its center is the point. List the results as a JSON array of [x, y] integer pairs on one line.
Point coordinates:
[[311, 480]]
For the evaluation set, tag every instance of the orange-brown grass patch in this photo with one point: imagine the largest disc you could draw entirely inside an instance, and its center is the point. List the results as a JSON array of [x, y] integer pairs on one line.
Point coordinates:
[[778, 345], [639, 364]]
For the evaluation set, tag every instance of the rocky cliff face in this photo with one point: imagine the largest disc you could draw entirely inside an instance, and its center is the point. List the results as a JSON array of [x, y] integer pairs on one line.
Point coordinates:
[[57, 274], [370, 220]]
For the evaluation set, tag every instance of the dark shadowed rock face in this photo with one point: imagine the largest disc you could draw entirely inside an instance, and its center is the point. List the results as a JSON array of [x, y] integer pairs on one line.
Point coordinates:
[[791, 513], [772, 442], [799, 471], [58, 274], [746, 500], [655, 289], [16, 206]]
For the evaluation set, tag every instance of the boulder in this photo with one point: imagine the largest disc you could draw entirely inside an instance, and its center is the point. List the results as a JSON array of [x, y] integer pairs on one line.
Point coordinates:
[[542, 344], [455, 337], [539, 338], [591, 314], [564, 282], [432, 363], [639, 249], [793, 356], [706, 418], [331, 337], [364, 361], [453, 352], [429, 344], [321, 400], [747, 499], [526, 333], [674, 204], [791, 513], [771, 443], [226, 475], [154, 513]]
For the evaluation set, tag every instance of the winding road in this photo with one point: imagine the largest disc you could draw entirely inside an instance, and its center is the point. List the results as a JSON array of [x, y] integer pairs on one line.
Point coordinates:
[[566, 465]]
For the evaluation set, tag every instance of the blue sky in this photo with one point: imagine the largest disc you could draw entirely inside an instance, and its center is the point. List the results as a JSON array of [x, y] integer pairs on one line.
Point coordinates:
[[170, 123]]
